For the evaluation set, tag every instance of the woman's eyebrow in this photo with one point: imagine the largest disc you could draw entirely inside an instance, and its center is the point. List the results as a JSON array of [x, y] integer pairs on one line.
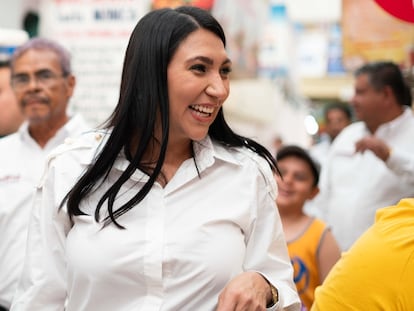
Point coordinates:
[[208, 60]]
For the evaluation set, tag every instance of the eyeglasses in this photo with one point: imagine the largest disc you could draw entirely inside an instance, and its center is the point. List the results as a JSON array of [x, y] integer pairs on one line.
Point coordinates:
[[42, 77]]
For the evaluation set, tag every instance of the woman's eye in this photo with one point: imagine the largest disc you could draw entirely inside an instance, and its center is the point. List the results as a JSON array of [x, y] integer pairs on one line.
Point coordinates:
[[199, 68], [225, 71]]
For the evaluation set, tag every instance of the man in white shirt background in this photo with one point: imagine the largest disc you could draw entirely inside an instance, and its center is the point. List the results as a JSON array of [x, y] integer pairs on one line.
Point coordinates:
[[337, 116], [43, 83], [371, 162]]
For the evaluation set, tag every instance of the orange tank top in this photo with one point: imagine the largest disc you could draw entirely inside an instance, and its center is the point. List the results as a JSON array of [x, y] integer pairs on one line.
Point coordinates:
[[303, 252]]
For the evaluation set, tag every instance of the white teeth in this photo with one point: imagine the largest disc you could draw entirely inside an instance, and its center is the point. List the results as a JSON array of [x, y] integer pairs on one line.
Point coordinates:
[[203, 108]]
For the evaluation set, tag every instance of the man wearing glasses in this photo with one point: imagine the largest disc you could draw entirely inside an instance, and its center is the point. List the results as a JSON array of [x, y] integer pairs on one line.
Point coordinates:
[[43, 83]]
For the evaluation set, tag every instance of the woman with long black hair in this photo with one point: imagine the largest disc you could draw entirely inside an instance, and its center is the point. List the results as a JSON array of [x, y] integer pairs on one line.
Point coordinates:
[[165, 208]]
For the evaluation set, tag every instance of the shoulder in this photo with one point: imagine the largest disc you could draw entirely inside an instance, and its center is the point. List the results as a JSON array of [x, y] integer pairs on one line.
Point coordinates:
[[247, 158], [349, 135], [13, 148], [9, 140], [74, 155], [403, 212], [80, 146], [252, 163], [317, 228], [353, 128], [319, 223], [320, 149], [407, 120]]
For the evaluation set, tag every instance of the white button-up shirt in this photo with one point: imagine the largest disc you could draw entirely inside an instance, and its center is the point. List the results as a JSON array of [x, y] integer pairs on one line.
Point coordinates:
[[181, 245], [21, 167], [355, 185]]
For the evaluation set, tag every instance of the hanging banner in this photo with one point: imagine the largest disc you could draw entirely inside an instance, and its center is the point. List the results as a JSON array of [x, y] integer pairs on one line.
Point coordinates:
[[370, 33], [96, 32], [275, 49]]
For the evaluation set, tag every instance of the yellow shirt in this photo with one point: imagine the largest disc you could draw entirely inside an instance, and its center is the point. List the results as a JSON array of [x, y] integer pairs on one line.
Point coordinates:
[[303, 252], [377, 273]]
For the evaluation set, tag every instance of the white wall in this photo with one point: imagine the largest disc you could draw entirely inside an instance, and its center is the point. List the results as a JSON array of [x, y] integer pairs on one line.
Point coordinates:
[[257, 109], [11, 14]]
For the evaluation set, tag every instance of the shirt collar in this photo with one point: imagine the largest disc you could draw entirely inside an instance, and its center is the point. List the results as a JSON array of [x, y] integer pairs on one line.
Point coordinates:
[[206, 152], [74, 123], [407, 114]]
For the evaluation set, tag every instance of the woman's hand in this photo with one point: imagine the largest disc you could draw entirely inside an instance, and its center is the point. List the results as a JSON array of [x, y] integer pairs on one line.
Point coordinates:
[[248, 291]]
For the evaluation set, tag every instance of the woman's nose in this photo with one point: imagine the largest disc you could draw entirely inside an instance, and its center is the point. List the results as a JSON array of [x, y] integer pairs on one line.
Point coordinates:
[[218, 88]]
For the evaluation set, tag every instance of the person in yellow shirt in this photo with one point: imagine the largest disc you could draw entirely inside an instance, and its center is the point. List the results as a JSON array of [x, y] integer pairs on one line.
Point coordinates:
[[377, 272], [311, 245]]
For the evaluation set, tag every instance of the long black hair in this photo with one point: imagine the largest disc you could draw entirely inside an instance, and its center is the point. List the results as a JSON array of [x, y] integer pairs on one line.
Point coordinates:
[[143, 95]]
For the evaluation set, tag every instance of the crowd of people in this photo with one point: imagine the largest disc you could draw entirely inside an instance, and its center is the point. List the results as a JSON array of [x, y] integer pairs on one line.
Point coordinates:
[[165, 207], [118, 213], [371, 162]]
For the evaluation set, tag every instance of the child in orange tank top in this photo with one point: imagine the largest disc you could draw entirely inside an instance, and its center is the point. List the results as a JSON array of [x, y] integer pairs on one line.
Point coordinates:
[[312, 248]]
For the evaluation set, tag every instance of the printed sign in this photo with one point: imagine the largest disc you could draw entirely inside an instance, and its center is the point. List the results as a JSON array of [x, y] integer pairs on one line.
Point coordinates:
[[96, 32]]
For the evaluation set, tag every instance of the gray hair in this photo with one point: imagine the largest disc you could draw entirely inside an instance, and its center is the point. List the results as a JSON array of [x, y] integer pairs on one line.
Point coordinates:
[[45, 44]]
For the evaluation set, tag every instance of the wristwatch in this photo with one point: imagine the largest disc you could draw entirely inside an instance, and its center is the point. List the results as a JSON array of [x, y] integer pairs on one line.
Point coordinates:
[[275, 296]]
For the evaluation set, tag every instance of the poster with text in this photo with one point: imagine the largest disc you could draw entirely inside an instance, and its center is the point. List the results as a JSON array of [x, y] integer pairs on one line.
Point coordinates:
[[96, 32], [370, 33]]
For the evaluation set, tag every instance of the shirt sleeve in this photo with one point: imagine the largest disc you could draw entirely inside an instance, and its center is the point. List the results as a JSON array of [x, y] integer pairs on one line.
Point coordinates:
[[42, 285], [266, 237], [402, 164]]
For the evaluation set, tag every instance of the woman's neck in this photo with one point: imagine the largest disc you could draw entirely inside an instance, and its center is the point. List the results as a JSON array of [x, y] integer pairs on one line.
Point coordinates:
[[176, 153]]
